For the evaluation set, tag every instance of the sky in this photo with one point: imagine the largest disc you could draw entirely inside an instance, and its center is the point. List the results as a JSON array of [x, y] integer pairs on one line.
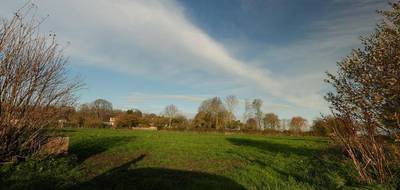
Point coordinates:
[[147, 54]]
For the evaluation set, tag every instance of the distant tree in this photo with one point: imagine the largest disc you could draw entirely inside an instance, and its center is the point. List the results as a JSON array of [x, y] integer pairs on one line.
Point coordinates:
[[103, 109], [66, 112], [271, 121], [212, 114], [235, 124], [102, 104], [130, 118], [127, 120], [231, 102], [95, 114], [319, 127], [148, 120], [180, 122], [137, 113], [93, 121], [34, 85], [171, 112], [366, 100], [203, 120], [251, 124], [322, 126], [84, 108], [248, 110], [161, 122], [297, 124], [257, 104]]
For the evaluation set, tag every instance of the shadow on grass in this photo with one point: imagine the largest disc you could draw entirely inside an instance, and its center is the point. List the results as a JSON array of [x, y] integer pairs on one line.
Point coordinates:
[[57, 172], [321, 168], [51, 173], [127, 176], [264, 145], [317, 140], [65, 130], [88, 147]]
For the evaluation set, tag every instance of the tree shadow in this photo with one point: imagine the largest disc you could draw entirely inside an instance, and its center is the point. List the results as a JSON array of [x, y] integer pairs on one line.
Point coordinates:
[[50, 173], [66, 130], [317, 140], [322, 168], [88, 147], [57, 172], [267, 146], [127, 176]]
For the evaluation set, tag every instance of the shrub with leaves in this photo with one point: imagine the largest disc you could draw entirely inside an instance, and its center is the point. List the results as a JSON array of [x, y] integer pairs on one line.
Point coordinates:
[[366, 100]]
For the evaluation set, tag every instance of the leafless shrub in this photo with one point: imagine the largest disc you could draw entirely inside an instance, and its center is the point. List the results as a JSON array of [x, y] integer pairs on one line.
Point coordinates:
[[367, 151], [33, 84]]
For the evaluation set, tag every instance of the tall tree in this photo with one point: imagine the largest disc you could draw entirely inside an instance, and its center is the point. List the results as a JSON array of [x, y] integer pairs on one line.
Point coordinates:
[[171, 112], [366, 99], [231, 102], [102, 108], [33, 85], [212, 113], [130, 118], [321, 126], [257, 104], [251, 124], [297, 124], [248, 110], [102, 104], [271, 121]]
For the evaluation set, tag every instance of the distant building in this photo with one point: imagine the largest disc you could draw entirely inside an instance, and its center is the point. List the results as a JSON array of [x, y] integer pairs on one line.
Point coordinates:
[[112, 121], [62, 122]]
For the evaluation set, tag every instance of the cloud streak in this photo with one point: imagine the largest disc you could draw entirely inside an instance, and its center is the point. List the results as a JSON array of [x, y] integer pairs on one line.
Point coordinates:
[[155, 39], [152, 37]]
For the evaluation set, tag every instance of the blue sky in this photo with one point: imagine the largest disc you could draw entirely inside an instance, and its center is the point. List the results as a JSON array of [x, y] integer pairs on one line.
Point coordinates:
[[147, 54]]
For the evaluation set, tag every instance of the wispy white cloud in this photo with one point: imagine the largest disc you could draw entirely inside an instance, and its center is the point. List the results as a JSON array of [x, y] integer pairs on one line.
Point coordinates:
[[154, 39], [300, 66], [151, 37]]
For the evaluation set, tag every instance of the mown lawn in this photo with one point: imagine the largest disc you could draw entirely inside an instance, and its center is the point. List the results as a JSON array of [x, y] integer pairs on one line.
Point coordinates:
[[125, 159]]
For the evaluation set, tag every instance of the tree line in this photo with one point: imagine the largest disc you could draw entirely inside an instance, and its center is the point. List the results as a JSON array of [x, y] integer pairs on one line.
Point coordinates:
[[214, 114]]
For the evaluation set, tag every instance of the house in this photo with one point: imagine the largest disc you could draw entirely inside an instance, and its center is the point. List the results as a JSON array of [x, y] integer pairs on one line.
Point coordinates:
[[112, 121], [62, 122]]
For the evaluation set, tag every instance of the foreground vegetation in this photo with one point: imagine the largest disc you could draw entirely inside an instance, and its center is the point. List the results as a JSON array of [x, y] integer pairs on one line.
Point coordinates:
[[125, 159]]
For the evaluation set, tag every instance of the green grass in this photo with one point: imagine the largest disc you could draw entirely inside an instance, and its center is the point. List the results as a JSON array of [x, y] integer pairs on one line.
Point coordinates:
[[125, 159]]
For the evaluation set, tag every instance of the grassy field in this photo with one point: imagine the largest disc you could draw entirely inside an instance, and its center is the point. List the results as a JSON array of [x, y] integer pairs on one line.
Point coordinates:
[[124, 159]]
